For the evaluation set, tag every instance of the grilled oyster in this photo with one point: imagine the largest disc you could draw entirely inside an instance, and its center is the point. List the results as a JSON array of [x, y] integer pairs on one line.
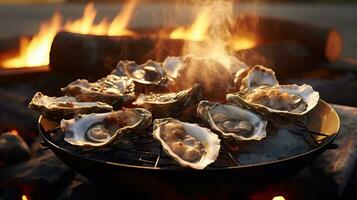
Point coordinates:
[[170, 104], [282, 99], [149, 76], [101, 129], [260, 90], [57, 108], [233, 123], [249, 79], [188, 144], [113, 90]]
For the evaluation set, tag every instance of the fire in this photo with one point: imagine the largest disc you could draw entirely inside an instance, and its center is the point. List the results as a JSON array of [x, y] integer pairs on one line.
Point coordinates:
[[240, 43], [278, 198], [198, 30], [35, 51]]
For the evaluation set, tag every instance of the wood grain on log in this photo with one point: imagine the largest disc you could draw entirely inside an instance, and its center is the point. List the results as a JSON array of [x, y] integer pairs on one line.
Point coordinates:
[[90, 54], [323, 42]]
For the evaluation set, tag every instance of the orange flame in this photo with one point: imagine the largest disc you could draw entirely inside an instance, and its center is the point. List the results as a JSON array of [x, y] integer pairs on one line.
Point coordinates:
[[240, 43], [35, 52], [198, 30]]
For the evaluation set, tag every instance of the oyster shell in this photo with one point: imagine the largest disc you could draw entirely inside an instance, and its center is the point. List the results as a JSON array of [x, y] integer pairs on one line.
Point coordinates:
[[113, 90], [149, 76], [282, 99], [232, 122], [188, 144], [249, 79], [101, 129], [170, 104], [57, 108]]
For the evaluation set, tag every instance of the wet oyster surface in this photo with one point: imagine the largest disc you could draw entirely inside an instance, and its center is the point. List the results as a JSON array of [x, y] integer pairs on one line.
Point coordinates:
[[181, 143], [277, 99], [114, 90], [57, 108], [101, 129], [171, 104]]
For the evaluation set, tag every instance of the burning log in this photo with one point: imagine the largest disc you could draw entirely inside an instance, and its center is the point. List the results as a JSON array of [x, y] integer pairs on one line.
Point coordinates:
[[98, 55], [323, 42], [284, 58]]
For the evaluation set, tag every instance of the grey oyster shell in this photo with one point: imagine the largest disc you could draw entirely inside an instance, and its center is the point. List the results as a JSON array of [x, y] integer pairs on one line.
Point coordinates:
[[57, 108], [96, 130], [189, 138], [170, 104], [149, 76], [231, 122], [258, 89], [112, 89]]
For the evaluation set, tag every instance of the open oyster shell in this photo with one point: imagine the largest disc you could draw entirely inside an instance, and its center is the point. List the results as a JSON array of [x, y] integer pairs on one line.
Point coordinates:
[[189, 144], [170, 104], [281, 99], [101, 129], [232, 122], [113, 90], [149, 76], [259, 89], [249, 79], [57, 108]]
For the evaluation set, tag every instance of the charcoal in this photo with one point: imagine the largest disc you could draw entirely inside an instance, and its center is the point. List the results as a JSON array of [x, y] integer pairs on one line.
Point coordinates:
[[13, 149]]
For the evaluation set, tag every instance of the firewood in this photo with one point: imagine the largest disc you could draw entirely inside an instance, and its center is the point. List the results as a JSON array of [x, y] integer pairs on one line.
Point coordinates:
[[285, 58], [90, 54], [323, 42]]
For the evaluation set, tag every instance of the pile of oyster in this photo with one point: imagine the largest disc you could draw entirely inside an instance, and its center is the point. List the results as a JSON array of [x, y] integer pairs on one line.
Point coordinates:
[[190, 116]]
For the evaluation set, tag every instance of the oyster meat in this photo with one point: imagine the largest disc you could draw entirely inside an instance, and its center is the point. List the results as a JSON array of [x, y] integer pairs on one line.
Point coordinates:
[[113, 90], [101, 129], [149, 76], [231, 122], [283, 99], [189, 144], [260, 90], [170, 104], [57, 108]]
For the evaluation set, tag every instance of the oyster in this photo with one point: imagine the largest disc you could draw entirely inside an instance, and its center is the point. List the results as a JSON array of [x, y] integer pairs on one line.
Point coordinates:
[[57, 108], [232, 122], [170, 104], [260, 90], [104, 128], [147, 77], [113, 90], [189, 144], [282, 99], [249, 79]]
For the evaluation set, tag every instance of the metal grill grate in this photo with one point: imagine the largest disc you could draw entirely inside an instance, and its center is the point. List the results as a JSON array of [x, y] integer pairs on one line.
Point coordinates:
[[144, 151]]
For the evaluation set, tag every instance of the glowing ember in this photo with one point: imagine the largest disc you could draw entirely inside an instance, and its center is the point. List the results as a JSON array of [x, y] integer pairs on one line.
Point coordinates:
[[35, 52], [24, 197], [278, 198]]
